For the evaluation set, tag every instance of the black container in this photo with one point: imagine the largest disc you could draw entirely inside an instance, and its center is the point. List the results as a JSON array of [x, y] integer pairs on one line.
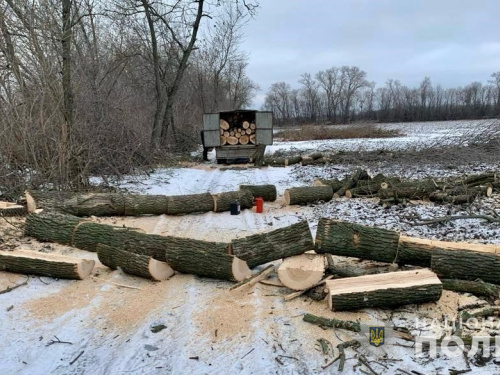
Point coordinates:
[[235, 208]]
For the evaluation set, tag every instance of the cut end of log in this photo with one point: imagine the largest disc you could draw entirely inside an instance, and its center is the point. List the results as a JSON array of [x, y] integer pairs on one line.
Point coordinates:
[[302, 271], [348, 194], [223, 124], [160, 270], [384, 185], [318, 182], [489, 191], [84, 268], [240, 268], [286, 197], [30, 202]]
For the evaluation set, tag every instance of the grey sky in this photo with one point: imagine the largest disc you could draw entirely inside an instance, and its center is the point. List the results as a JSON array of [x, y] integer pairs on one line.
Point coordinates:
[[454, 42]]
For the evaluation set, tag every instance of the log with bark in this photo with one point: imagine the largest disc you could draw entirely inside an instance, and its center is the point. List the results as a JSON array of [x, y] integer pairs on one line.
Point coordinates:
[[301, 272], [253, 126], [254, 279], [308, 194], [335, 183], [244, 139], [8, 209], [253, 139], [232, 140], [467, 263], [410, 190], [355, 240], [97, 204], [222, 201], [293, 160], [245, 124], [134, 264], [223, 140], [316, 155], [266, 192], [274, 161], [477, 288], [386, 290], [187, 204], [202, 258], [309, 161], [350, 182], [262, 248], [45, 264], [477, 180]]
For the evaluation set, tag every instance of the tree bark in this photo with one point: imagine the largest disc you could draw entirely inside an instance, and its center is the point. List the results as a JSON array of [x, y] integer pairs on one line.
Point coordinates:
[[222, 201], [354, 240], [100, 204], [133, 264], [308, 194], [187, 204], [335, 183], [466, 264], [478, 288], [293, 160], [8, 209], [266, 192], [410, 190], [43, 264], [385, 290], [262, 248]]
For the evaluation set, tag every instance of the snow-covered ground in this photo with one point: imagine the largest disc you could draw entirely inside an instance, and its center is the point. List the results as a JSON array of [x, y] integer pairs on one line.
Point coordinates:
[[209, 330], [416, 135]]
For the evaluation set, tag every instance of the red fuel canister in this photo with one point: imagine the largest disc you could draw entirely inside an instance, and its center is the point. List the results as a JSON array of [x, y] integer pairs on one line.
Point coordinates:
[[259, 205]]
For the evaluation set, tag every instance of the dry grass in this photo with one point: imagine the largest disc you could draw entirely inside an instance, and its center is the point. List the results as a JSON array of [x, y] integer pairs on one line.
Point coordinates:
[[321, 132]]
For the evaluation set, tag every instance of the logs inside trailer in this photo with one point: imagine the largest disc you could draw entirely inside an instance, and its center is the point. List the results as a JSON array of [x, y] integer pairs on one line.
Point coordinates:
[[238, 136]]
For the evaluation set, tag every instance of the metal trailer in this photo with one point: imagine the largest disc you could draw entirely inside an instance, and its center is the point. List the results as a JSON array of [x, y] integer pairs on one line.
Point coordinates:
[[238, 153]]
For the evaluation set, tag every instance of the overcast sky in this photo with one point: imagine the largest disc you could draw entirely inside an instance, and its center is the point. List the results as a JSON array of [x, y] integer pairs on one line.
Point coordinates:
[[454, 42]]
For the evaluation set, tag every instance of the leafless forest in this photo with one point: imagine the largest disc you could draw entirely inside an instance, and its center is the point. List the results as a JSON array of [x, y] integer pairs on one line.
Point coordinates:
[[95, 87], [342, 95]]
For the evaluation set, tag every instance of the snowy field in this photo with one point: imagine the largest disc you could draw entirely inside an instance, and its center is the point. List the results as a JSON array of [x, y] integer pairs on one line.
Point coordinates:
[[207, 329], [416, 135]]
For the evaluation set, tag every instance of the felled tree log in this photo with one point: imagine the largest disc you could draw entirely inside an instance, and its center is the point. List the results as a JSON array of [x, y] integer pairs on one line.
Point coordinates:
[[467, 264], [308, 194], [98, 204], [335, 183], [496, 186], [316, 156], [202, 258], [442, 197], [222, 201], [480, 179], [133, 264], [332, 323], [461, 194], [310, 161], [478, 288], [359, 174], [223, 124], [43, 264], [262, 248], [346, 270], [354, 240], [384, 290], [410, 190], [186, 204], [301, 271], [8, 209], [274, 161], [293, 160], [361, 192], [266, 192]]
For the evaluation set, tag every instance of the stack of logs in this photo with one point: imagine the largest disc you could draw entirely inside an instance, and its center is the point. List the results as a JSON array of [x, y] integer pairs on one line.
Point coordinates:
[[391, 190], [237, 133]]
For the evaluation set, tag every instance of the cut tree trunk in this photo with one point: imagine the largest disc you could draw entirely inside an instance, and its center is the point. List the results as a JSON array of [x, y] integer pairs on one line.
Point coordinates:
[[410, 190], [245, 125], [254, 279], [386, 290], [8, 209], [244, 139], [459, 263], [202, 258], [266, 192], [346, 270], [262, 248], [316, 156], [481, 179], [98, 204], [223, 124], [418, 251], [293, 160], [226, 134], [252, 126], [361, 192], [478, 288], [232, 140], [359, 174], [354, 240], [222, 201], [302, 271], [308, 194], [249, 131], [309, 161], [442, 197], [335, 183], [274, 161], [223, 140], [133, 264], [43, 264], [187, 204]]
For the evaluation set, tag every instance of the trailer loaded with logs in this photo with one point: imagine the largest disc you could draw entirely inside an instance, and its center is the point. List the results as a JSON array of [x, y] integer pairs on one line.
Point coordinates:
[[238, 136]]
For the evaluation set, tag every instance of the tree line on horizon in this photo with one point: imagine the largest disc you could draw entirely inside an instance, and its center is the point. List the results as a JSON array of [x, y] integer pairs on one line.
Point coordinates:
[[341, 95]]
